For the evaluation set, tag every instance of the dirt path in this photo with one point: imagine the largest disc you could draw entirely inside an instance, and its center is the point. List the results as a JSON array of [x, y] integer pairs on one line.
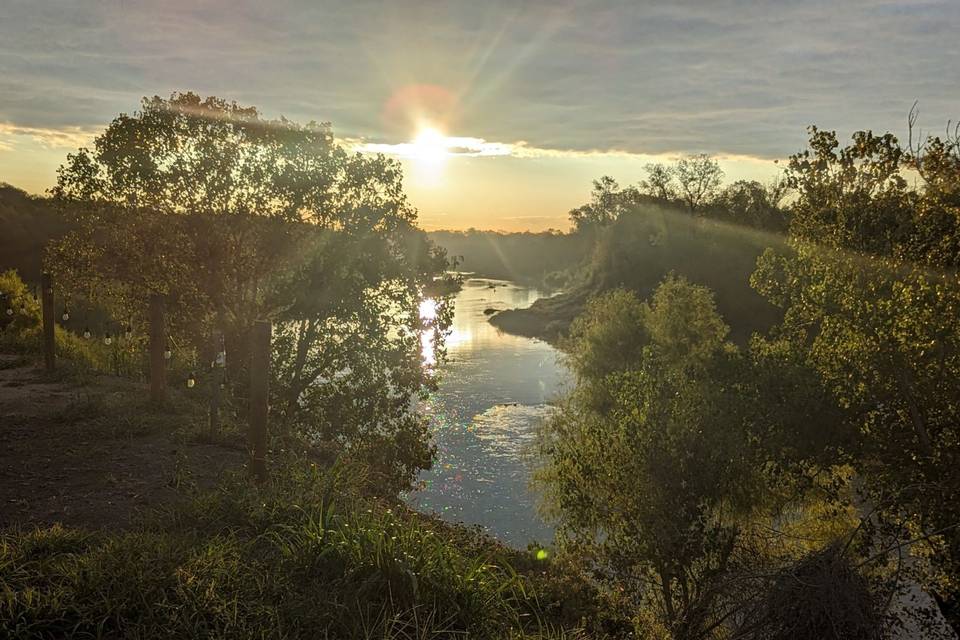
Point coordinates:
[[64, 458]]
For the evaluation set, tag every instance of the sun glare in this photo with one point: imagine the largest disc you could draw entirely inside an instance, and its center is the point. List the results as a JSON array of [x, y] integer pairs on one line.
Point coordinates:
[[428, 309], [430, 146]]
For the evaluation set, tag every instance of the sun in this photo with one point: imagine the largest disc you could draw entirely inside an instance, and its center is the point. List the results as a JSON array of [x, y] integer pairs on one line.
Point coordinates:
[[430, 146]]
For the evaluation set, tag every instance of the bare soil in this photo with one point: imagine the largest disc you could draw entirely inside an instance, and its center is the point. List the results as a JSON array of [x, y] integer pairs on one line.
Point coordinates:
[[63, 461]]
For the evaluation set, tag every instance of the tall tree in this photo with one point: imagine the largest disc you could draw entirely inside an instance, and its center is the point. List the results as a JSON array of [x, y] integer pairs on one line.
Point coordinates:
[[608, 201], [659, 181], [236, 217], [699, 178], [672, 453]]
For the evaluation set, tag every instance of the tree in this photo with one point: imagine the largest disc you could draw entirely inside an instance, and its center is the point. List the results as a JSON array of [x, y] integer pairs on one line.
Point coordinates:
[[607, 337], [699, 178], [871, 292], [194, 155], [348, 352], [607, 203], [236, 217], [659, 182], [671, 453], [753, 204]]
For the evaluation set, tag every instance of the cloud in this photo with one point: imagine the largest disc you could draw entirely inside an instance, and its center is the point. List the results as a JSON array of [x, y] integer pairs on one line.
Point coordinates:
[[451, 146], [64, 138], [479, 148], [718, 76], [466, 147]]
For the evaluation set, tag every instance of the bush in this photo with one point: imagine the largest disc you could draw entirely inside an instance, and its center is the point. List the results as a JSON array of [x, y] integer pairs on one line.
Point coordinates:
[[21, 328], [821, 596]]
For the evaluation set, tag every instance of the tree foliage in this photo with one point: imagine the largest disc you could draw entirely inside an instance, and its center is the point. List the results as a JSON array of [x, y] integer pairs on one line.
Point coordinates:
[[871, 295], [188, 154], [672, 450], [235, 217], [698, 178], [752, 204], [659, 181], [608, 201]]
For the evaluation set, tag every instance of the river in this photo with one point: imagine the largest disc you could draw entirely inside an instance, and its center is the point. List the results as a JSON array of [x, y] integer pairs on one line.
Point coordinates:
[[494, 391]]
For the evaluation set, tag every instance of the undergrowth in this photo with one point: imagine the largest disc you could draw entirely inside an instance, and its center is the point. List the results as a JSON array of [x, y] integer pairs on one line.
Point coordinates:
[[301, 556]]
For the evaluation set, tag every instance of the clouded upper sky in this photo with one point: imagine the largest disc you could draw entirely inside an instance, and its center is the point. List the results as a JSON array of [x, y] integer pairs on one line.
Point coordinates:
[[537, 97]]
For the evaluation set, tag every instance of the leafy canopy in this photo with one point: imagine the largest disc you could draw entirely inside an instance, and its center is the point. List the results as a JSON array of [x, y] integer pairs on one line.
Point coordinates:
[[673, 450], [235, 217], [871, 294]]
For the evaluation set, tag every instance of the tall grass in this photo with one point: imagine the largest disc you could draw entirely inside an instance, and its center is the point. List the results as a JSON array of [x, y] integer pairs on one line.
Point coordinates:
[[299, 557]]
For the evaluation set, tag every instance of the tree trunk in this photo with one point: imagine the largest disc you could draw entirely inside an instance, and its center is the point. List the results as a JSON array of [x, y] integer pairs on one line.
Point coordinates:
[[304, 341]]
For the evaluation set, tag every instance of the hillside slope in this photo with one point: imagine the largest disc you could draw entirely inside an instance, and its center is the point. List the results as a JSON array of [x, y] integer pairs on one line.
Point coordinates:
[[27, 223]]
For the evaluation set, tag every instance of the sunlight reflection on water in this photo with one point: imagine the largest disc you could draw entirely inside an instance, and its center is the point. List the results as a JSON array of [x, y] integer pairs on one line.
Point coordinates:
[[493, 394]]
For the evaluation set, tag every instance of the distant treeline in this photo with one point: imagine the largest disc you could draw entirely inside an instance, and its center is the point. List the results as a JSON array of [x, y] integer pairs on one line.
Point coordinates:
[[638, 249], [544, 259], [27, 223]]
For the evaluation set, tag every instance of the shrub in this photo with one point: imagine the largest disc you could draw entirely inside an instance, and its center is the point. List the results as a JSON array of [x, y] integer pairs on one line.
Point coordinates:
[[821, 596], [21, 330]]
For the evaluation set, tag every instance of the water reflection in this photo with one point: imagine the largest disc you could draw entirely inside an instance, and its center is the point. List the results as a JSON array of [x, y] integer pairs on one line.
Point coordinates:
[[494, 391], [428, 309]]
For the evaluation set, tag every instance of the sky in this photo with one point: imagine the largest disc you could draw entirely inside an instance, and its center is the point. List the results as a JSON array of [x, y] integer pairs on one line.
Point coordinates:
[[502, 112]]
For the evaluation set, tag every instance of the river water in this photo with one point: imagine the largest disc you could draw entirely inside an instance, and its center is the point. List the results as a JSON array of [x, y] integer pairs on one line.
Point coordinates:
[[494, 392]]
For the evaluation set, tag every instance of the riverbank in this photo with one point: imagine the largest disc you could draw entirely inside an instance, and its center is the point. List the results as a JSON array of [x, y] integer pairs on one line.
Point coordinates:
[[121, 520], [92, 452], [546, 319]]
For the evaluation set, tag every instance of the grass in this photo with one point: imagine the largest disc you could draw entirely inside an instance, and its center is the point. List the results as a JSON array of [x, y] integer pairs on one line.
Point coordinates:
[[304, 555], [14, 363], [301, 556]]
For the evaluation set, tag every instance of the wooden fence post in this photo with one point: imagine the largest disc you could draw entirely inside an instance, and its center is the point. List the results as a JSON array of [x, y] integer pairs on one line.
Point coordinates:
[[49, 335], [158, 364], [216, 379], [259, 397]]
